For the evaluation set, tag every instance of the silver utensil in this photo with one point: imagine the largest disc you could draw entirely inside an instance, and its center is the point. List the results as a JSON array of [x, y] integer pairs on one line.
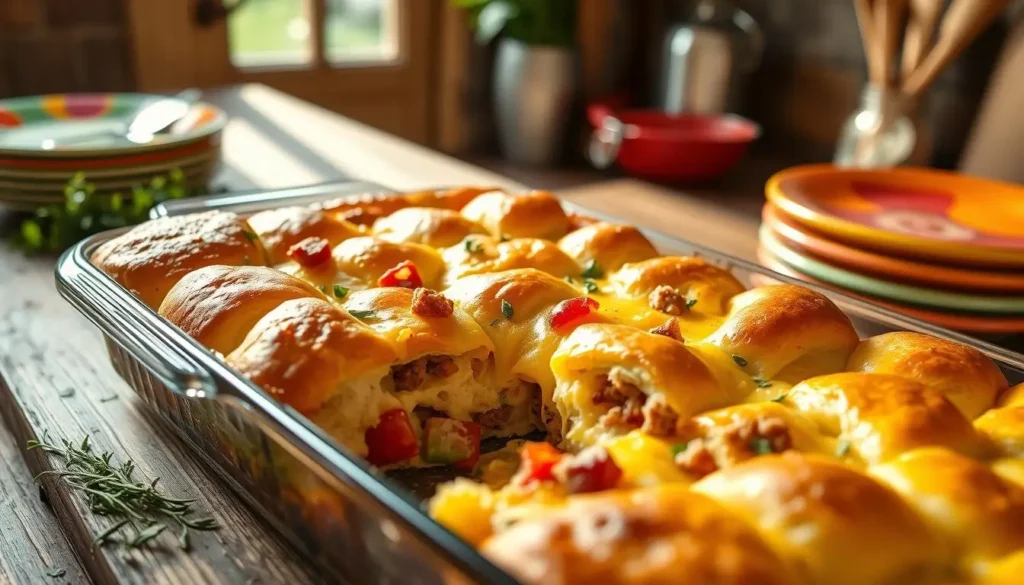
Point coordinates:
[[142, 125]]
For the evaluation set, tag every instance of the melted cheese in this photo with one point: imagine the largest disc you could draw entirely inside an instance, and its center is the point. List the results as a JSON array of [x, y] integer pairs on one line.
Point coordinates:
[[645, 460]]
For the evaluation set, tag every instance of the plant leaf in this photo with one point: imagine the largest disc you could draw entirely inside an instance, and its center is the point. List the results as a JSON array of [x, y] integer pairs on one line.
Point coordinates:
[[493, 19]]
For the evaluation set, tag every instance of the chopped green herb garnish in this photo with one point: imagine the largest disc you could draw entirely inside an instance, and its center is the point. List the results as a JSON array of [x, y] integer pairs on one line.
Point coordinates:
[[340, 292], [690, 303], [56, 573], [740, 360], [679, 448], [780, 397], [762, 383], [249, 236], [368, 314], [472, 246], [142, 510], [592, 270], [761, 446], [590, 287], [569, 280], [842, 447], [321, 288], [506, 310]]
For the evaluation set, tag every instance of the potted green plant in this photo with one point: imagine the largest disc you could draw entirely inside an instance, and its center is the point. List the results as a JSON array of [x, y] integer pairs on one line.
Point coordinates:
[[536, 72]]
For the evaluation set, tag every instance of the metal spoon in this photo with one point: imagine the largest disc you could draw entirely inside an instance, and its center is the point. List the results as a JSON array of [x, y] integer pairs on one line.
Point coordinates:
[[142, 125]]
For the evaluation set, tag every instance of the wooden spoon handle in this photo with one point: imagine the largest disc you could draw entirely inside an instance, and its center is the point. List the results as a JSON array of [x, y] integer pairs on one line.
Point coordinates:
[[865, 20], [924, 17], [962, 23], [888, 15]]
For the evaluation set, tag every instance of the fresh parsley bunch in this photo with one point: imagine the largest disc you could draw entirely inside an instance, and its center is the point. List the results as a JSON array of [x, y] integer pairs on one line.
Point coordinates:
[[54, 227]]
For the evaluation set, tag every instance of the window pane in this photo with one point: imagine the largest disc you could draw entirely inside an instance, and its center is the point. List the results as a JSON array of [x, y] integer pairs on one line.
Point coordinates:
[[360, 30], [268, 33]]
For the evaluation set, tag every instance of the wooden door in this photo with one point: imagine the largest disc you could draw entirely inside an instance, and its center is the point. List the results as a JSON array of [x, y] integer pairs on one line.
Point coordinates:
[[370, 60]]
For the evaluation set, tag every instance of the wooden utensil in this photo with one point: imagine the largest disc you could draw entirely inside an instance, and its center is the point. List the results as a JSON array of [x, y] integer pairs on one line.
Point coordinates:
[[962, 23], [888, 17], [923, 16], [865, 20]]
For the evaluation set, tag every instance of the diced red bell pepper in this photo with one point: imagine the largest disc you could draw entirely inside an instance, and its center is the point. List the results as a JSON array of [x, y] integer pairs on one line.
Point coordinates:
[[572, 310], [590, 470], [404, 275], [451, 442], [537, 462], [392, 439], [311, 252]]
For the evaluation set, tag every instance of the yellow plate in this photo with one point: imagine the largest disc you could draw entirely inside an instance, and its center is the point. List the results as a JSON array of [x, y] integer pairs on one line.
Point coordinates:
[[908, 212]]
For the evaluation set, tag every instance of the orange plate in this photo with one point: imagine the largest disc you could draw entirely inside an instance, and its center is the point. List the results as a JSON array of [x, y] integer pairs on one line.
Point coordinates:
[[923, 213], [971, 323], [804, 240]]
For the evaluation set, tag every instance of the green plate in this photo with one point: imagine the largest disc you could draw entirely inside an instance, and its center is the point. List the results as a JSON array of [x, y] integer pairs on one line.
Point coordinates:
[[898, 292], [25, 122]]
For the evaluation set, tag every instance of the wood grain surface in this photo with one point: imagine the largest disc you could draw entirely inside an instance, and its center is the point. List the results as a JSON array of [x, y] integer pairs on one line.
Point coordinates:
[[55, 376]]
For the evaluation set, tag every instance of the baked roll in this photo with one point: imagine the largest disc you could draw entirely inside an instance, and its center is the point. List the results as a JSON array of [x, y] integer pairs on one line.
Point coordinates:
[[660, 535], [677, 285], [434, 227], [1003, 427], [480, 254], [611, 379], [515, 309], [978, 512], [786, 332], [280, 229], [359, 263], [836, 525], [531, 215], [325, 363], [218, 305], [879, 416], [444, 360], [153, 256], [607, 246], [962, 374]]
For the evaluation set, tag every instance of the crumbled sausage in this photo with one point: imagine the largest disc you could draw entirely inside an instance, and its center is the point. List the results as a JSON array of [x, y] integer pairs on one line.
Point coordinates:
[[630, 414], [669, 329], [412, 375], [731, 444], [494, 418], [430, 303], [659, 418], [667, 300], [696, 459], [614, 389]]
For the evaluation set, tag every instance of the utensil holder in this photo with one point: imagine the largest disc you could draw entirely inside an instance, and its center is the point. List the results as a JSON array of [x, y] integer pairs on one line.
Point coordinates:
[[886, 130]]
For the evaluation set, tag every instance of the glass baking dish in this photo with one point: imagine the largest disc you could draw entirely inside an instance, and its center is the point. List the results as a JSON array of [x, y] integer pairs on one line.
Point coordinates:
[[356, 523]]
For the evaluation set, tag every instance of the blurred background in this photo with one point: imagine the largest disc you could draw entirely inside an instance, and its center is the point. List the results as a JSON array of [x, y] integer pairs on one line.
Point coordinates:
[[411, 67]]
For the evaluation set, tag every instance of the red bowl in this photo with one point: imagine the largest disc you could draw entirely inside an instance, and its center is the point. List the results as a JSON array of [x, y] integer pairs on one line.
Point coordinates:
[[675, 148]]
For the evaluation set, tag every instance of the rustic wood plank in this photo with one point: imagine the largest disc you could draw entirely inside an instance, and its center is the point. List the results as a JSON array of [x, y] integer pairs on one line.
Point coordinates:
[[47, 350], [34, 549]]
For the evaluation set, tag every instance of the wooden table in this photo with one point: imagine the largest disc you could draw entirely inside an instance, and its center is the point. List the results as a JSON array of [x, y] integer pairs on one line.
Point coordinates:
[[55, 377]]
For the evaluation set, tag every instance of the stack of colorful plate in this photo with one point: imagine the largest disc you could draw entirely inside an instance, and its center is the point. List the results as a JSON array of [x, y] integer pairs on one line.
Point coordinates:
[[942, 247], [46, 140]]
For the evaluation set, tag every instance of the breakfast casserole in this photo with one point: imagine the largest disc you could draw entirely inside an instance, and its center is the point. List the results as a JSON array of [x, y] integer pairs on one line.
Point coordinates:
[[662, 423]]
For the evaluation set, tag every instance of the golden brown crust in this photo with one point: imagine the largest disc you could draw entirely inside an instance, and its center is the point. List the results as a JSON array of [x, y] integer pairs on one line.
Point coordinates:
[[483, 255], [786, 332], [980, 513], [153, 256], [390, 314], [963, 374], [838, 525], [280, 229], [608, 245], [658, 536], [362, 261], [530, 215], [434, 227], [693, 278], [881, 415], [218, 305], [302, 350]]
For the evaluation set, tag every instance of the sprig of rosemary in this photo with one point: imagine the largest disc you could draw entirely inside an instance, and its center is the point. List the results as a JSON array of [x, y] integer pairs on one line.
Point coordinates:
[[54, 227], [143, 511]]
